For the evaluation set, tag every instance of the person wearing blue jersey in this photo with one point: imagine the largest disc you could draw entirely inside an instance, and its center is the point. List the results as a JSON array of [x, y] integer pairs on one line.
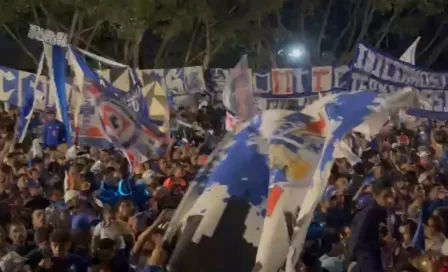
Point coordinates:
[[54, 132]]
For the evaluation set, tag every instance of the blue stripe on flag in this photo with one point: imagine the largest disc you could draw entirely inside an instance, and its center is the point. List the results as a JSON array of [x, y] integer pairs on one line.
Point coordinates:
[[59, 67]]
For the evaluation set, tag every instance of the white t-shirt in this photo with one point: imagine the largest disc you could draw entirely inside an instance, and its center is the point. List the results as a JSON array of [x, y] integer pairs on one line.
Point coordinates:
[[110, 232]]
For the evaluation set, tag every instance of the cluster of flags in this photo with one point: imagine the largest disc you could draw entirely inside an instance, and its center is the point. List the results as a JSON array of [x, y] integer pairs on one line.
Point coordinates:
[[251, 205], [254, 201], [105, 116]]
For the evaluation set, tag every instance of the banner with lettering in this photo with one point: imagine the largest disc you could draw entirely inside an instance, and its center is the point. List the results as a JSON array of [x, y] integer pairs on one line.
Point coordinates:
[[372, 70], [277, 88]]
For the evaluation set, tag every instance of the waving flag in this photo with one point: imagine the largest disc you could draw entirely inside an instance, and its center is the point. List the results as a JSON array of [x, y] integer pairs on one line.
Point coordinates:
[[135, 96], [343, 113], [28, 105], [57, 63], [294, 151], [229, 203], [104, 116], [237, 96], [409, 55]]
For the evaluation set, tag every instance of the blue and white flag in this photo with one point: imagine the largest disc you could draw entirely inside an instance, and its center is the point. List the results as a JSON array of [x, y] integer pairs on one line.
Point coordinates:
[[238, 97], [28, 104], [135, 96], [343, 113], [223, 228], [295, 148], [105, 117], [57, 64]]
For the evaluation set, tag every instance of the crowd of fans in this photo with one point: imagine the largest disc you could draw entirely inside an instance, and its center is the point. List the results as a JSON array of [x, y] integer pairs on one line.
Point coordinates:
[[371, 213]]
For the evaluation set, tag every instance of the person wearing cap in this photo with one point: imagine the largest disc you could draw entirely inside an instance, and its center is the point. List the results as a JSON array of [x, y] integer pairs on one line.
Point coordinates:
[[54, 132]]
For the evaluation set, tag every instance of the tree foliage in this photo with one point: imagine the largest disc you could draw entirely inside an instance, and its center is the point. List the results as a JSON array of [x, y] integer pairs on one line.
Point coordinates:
[[176, 33]]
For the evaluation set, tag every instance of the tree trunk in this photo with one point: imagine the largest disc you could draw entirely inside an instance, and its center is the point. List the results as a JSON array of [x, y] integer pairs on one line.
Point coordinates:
[[354, 25], [339, 38], [368, 14], [92, 35], [126, 52], [73, 26], [436, 51], [433, 40], [35, 14], [77, 35], [136, 49], [388, 26], [190, 45], [302, 16], [208, 46], [323, 28], [161, 51]]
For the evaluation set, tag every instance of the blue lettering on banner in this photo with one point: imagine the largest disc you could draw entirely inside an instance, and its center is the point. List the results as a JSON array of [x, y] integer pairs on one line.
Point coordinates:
[[375, 71]]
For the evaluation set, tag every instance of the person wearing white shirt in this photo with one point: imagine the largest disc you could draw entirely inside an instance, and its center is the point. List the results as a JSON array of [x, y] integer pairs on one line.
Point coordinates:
[[107, 229]]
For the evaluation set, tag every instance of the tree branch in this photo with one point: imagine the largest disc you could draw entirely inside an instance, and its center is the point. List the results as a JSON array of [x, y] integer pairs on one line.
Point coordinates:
[[35, 14], [433, 40], [190, 45], [339, 38], [368, 14], [354, 26], [436, 51], [387, 27], [22, 46], [323, 28], [207, 46], [92, 34], [73, 26], [161, 51]]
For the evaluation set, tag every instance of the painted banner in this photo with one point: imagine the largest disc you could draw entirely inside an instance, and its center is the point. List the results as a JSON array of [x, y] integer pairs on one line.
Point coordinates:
[[269, 84], [373, 70]]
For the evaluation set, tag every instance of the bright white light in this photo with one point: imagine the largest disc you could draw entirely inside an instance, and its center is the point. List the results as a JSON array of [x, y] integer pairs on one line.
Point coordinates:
[[295, 53]]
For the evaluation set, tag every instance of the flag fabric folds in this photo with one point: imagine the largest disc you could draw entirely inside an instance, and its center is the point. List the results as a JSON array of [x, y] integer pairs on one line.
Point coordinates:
[[229, 203], [342, 113], [238, 97], [294, 151], [57, 63], [104, 116], [28, 104]]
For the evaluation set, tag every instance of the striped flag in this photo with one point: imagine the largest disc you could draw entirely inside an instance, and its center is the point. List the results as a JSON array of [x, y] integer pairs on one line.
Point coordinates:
[[28, 104], [57, 63]]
